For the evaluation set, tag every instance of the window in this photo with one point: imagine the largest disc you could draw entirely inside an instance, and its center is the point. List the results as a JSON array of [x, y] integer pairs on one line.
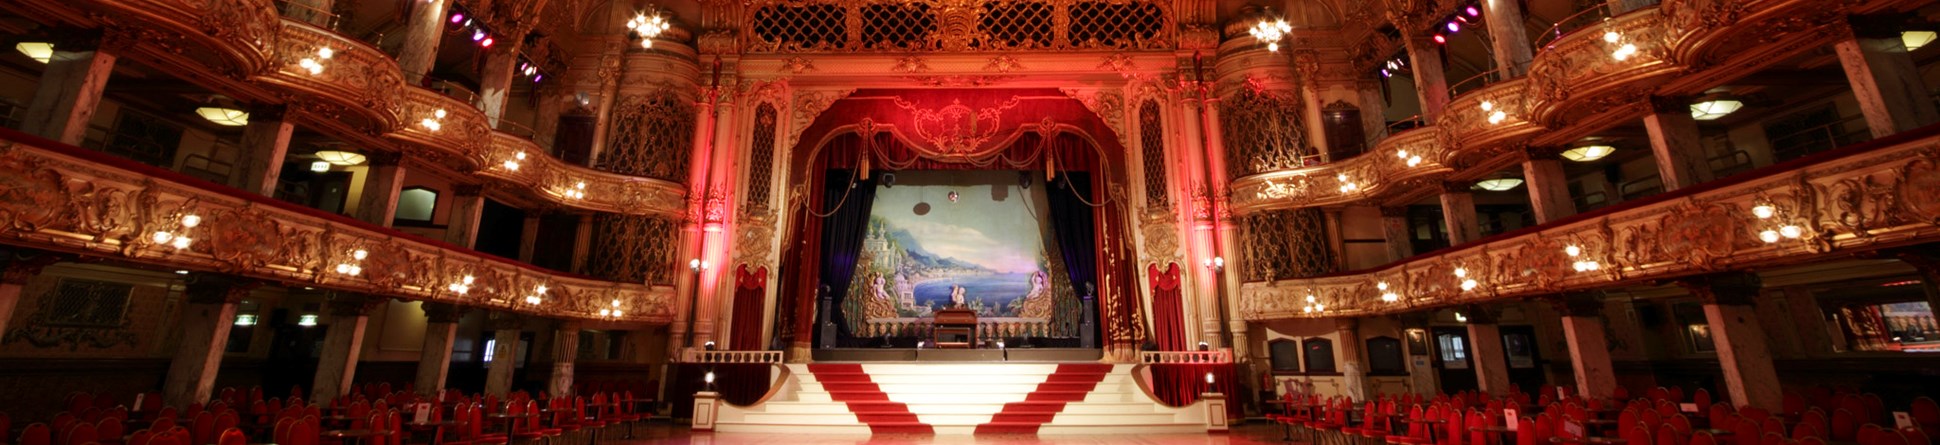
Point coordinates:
[[1286, 355], [1454, 350], [1320, 355], [1384, 356], [417, 204]]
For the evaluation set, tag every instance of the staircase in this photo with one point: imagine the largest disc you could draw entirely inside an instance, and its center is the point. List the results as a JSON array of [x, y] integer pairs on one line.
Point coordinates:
[[960, 398]]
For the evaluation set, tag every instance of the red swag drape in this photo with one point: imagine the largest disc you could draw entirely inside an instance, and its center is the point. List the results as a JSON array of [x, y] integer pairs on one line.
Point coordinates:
[[1168, 308], [1179, 384], [750, 291]]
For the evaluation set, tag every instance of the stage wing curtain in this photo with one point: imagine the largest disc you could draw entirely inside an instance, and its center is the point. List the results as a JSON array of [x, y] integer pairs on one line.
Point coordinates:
[[1179, 384], [842, 233], [750, 289], [1168, 307], [1071, 223]]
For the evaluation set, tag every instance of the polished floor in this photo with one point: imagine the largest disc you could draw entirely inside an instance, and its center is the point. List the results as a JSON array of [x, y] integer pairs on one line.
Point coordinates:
[[662, 433]]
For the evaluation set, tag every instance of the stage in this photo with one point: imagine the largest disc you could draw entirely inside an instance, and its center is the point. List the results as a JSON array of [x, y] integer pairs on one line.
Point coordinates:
[[1013, 355]]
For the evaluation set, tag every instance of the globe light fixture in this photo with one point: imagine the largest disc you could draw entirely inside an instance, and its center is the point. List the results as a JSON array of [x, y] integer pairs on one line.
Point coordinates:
[[1588, 153], [1914, 40], [1499, 184], [228, 117], [1714, 109], [336, 157], [39, 51]]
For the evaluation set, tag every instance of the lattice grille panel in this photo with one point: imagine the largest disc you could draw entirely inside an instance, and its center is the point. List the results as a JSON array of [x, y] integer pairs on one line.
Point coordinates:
[[762, 157], [803, 28], [1151, 141], [781, 26], [1116, 25], [85, 303], [651, 136], [902, 26], [633, 249], [1285, 244], [1263, 132], [1019, 25]]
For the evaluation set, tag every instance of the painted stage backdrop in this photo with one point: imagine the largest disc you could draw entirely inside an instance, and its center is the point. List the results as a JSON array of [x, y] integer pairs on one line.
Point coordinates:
[[973, 239]]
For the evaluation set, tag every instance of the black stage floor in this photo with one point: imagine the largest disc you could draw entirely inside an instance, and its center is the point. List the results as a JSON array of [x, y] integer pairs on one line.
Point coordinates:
[[1031, 355]]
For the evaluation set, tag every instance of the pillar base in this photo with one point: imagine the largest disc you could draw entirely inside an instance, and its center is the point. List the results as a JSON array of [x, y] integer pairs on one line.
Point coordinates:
[[1215, 403], [706, 403]]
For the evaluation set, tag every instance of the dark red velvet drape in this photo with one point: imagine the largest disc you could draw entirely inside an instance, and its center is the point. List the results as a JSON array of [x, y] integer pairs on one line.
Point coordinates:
[[1179, 384], [1168, 307], [738, 383], [750, 291]]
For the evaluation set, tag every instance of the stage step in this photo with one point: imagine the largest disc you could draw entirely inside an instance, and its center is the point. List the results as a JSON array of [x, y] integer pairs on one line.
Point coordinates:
[[961, 398]]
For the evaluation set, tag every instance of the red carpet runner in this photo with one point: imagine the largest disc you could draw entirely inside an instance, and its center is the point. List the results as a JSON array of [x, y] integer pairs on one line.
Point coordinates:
[[847, 383], [1068, 384]]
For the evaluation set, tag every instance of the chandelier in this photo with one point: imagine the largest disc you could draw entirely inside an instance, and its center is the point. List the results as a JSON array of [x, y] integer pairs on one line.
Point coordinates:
[[1271, 31], [647, 26]]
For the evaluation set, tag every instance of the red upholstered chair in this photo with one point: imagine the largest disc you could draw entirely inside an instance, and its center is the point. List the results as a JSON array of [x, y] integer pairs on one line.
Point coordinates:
[[1703, 438], [6, 427], [1771, 439], [474, 430], [530, 428], [202, 430], [61, 421], [140, 437], [1526, 424], [1636, 434], [281, 433], [225, 420], [180, 435], [232, 436], [1453, 432], [1744, 431], [1806, 429], [1875, 408], [109, 431], [79, 433], [1845, 425], [162, 425], [1915, 436], [162, 439], [1666, 435]]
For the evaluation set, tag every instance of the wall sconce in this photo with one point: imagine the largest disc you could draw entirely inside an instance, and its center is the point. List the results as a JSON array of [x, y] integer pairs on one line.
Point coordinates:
[[178, 239]]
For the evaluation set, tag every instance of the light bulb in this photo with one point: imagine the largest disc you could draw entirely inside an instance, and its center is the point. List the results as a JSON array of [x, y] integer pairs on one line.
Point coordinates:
[[1488, 105], [1468, 285], [191, 221], [1381, 285], [1612, 36], [468, 280], [1791, 231], [1461, 272], [356, 270], [360, 254], [1768, 236], [531, 299], [325, 52], [1572, 250], [182, 242], [1763, 211], [512, 165], [162, 237], [541, 289]]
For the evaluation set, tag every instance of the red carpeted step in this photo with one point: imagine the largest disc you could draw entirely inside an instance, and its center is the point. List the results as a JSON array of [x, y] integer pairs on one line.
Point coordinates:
[[1070, 383], [867, 401]]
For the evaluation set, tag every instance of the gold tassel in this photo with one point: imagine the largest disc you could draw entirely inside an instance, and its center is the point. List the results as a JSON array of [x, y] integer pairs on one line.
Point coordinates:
[[1050, 168], [865, 166]]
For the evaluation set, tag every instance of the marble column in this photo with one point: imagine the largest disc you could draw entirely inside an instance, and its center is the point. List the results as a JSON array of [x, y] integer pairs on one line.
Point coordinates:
[[265, 142], [1374, 110], [1353, 361], [211, 311], [1458, 212], [342, 344], [582, 243], [1431, 84], [1336, 242], [381, 186], [1747, 361], [1681, 159], [434, 360], [1508, 36], [1491, 361], [495, 82], [529, 236], [505, 333], [71, 86], [565, 350], [1394, 228], [424, 29], [1582, 315], [461, 229], [1884, 78], [1549, 188]]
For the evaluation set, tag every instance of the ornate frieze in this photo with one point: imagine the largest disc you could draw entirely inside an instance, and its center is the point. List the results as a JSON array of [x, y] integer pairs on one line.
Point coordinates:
[[84, 203], [795, 26], [1874, 199]]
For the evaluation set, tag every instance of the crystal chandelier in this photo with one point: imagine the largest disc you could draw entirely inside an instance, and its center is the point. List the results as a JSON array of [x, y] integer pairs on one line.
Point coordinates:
[[647, 26]]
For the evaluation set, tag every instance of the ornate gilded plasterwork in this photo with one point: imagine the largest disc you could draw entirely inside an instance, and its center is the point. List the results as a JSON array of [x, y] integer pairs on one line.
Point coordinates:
[[794, 26], [1109, 105], [66, 202], [633, 249], [1869, 200], [1262, 131], [1282, 244], [652, 136], [808, 105]]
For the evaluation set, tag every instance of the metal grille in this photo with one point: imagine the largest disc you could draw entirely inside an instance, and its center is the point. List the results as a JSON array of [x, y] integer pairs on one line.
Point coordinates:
[[1018, 25], [85, 303], [761, 162], [1151, 141], [802, 28], [957, 25], [1263, 132], [1115, 25], [633, 249], [652, 136], [896, 26], [1286, 244]]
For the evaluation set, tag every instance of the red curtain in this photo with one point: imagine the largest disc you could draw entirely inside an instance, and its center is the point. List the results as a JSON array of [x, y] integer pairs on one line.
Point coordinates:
[[750, 291], [1168, 307], [1179, 384]]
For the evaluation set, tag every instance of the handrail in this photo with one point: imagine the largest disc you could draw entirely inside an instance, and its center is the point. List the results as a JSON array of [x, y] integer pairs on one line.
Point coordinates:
[[1174, 357], [1582, 19], [1477, 82], [700, 356]]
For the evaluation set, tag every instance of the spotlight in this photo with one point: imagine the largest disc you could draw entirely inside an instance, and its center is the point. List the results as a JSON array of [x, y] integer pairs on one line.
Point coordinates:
[[1385, 73], [537, 77], [478, 35], [457, 17], [486, 43], [1454, 26], [1473, 11], [1440, 39]]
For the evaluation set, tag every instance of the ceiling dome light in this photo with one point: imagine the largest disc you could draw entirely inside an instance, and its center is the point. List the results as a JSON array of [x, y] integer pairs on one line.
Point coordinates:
[[224, 116], [1714, 109], [1498, 184], [1588, 153], [1914, 40], [44, 51], [335, 157]]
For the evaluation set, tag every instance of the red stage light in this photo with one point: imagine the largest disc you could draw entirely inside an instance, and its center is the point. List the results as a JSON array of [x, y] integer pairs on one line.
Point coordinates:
[[1440, 39], [485, 43]]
